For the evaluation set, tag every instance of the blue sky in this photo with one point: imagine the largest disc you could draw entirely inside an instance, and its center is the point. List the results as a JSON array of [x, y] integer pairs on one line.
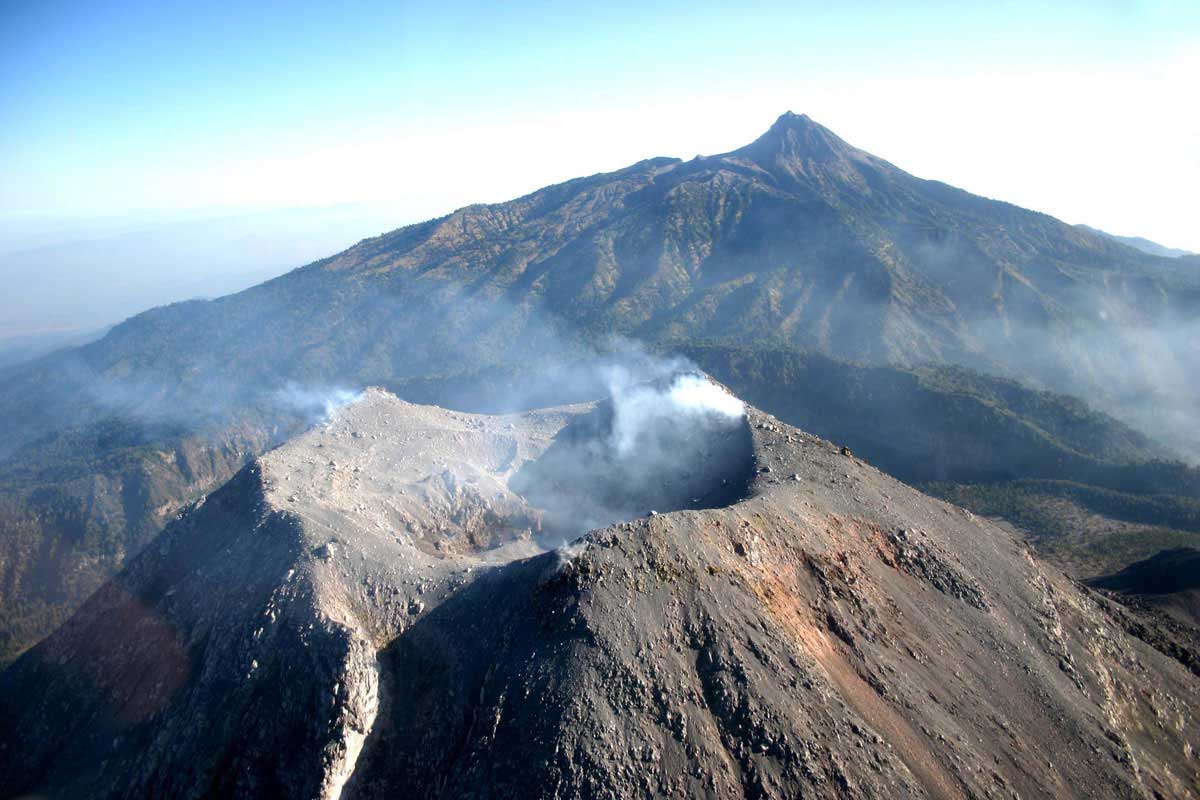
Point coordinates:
[[1085, 110]]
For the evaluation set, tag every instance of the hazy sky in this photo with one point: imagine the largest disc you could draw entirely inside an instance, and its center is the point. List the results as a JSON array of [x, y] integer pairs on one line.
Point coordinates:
[[1085, 110]]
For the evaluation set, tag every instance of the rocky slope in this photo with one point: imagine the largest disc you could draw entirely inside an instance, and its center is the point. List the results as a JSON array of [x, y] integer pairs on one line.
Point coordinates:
[[1169, 580], [73, 508], [364, 612], [798, 239]]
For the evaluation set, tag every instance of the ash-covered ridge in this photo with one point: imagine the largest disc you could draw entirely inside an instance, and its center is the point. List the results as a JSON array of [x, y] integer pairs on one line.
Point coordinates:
[[365, 612]]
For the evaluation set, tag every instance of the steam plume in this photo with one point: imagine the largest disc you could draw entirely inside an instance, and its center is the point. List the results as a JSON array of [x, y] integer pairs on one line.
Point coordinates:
[[679, 441]]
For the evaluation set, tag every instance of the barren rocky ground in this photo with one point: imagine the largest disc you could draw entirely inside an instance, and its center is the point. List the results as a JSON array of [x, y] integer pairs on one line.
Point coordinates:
[[372, 610]]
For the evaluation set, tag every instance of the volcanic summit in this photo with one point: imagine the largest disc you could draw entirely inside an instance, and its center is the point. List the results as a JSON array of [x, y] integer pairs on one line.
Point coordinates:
[[384, 606]]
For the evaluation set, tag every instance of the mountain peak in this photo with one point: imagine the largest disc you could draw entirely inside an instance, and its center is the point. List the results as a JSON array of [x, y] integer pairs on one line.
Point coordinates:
[[795, 138], [790, 119]]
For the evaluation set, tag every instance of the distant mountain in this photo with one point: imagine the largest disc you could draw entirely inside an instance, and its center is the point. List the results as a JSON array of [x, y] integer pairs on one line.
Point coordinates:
[[797, 238], [1144, 245], [797, 241]]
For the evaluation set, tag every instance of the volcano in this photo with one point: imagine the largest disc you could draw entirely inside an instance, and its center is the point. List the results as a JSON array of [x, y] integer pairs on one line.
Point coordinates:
[[385, 606], [798, 239]]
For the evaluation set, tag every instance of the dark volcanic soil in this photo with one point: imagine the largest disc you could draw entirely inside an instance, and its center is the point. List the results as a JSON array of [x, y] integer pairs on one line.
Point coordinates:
[[1170, 572], [1161, 599], [364, 612]]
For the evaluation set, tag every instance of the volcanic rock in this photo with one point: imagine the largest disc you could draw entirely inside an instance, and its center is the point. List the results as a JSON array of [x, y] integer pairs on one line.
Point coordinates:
[[398, 627]]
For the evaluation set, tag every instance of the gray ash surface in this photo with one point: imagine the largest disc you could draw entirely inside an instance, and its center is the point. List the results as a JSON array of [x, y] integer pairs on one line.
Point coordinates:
[[370, 611]]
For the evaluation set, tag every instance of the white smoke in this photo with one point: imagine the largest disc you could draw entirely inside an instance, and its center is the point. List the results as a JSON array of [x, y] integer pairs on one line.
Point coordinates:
[[666, 440], [317, 403], [689, 401]]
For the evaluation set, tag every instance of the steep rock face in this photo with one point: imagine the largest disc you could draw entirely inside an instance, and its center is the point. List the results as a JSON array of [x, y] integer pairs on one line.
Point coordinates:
[[333, 623]]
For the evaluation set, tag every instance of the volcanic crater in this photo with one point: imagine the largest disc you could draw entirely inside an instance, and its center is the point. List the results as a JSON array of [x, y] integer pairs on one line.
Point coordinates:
[[370, 611]]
